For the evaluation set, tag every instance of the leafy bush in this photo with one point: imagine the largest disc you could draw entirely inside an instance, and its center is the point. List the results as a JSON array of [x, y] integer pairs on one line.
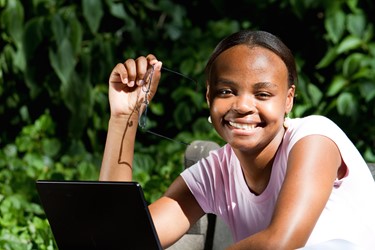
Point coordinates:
[[35, 155]]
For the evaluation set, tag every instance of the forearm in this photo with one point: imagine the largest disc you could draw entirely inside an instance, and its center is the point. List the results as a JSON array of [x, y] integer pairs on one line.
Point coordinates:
[[119, 149], [268, 239]]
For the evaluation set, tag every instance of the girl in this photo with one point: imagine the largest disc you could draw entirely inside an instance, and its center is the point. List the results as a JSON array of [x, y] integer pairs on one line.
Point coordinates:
[[278, 183]]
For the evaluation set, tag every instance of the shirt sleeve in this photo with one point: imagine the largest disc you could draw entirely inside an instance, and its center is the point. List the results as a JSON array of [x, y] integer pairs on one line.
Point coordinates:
[[206, 178]]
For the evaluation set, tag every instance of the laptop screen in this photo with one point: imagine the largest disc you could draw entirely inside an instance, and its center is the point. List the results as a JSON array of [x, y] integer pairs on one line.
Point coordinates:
[[98, 215]]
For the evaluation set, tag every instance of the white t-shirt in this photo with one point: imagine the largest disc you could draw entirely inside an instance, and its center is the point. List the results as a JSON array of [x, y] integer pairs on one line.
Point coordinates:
[[218, 184]]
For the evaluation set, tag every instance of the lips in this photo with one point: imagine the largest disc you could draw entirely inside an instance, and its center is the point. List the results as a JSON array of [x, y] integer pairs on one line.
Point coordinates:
[[243, 126]]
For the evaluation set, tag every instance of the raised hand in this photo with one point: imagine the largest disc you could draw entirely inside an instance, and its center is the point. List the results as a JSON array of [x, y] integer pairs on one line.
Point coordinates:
[[129, 83]]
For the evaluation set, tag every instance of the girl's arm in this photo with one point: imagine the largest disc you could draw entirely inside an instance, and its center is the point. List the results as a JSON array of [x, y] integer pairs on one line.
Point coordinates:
[[128, 84], [175, 212], [313, 165], [177, 209]]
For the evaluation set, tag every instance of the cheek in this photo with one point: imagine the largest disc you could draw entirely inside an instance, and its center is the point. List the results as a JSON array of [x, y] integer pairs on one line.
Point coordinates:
[[214, 112], [217, 107], [272, 108], [217, 111], [276, 111]]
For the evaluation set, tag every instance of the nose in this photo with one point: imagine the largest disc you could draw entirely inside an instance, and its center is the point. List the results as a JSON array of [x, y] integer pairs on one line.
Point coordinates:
[[244, 104]]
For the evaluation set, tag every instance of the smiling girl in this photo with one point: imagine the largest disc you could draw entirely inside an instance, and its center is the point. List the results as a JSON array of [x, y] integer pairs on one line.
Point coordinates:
[[278, 183]]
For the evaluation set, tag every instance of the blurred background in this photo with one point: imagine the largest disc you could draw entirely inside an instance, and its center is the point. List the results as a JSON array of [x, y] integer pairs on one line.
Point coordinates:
[[56, 57]]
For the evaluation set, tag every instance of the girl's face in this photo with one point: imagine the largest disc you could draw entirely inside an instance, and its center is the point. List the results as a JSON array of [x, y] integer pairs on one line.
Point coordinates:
[[249, 97]]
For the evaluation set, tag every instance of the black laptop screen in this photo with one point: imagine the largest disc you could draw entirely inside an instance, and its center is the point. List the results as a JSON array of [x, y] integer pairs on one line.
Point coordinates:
[[98, 215]]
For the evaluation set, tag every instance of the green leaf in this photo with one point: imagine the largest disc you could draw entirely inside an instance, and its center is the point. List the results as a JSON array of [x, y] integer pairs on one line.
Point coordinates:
[[15, 56], [368, 34], [328, 58], [77, 96], [63, 60], [338, 83], [10, 150], [335, 25], [182, 114], [156, 108], [51, 146], [75, 35], [367, 90], [353, 5], [93, 13], [315, 94], [12, 18], [356, 24], [371, 49], [33, 36], [346, 104], [349, 43], [351, 64], [117, 9], [58, 28]]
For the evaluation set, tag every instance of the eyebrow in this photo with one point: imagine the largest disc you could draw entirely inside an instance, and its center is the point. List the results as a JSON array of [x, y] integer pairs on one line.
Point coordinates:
[[258, 85]]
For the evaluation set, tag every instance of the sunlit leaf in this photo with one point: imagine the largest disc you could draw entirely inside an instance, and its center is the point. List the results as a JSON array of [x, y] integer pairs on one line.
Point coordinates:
[[314, 93], [346, 104], [349, 43], [12, 19], [156, 108], [356, 24], [117, 9], [335, 25], [328, 58], [336, 85]]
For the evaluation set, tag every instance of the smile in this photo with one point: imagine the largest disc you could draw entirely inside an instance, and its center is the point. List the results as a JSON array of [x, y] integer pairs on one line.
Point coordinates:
[[244, 126]]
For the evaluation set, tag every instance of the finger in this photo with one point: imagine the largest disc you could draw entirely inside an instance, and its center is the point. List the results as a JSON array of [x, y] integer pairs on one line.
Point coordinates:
[[142, 69], [131, 70], [151, 59], [119, 74]]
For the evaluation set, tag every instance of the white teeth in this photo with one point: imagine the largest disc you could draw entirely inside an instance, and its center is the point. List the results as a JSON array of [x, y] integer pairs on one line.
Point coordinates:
[[244, 126]]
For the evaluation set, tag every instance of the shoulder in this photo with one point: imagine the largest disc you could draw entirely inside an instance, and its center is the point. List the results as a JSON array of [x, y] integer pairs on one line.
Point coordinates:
[[312, 121], [314, 124]]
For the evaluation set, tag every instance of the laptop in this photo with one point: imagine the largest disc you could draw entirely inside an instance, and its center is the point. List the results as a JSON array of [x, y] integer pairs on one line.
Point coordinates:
[[98, 215]]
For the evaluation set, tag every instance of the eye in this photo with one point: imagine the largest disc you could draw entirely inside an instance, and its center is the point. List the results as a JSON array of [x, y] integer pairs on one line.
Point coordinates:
[[263, 95], [224, 92]]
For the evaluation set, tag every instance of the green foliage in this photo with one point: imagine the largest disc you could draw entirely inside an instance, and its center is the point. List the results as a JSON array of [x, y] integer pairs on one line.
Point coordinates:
[[56, 57], [347, 78], [35, 154]]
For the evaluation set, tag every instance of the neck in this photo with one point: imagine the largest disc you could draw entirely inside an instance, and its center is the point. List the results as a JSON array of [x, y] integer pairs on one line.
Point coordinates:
[[257, 166]]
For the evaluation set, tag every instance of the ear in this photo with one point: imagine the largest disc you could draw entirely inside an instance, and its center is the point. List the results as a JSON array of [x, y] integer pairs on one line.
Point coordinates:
[[208, 94], [290, 99]]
